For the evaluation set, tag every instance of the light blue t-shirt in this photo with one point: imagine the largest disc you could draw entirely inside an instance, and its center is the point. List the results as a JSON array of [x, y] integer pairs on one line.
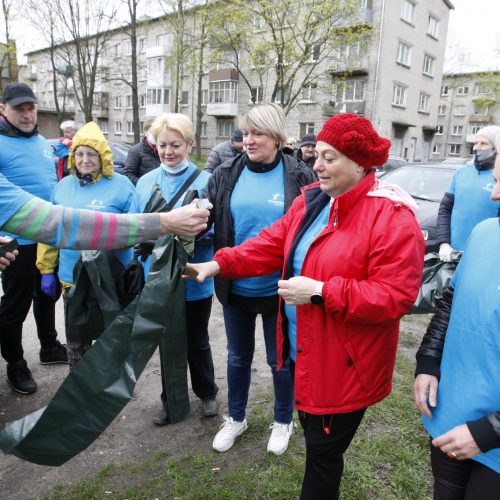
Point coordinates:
[[469, 387], [170, 184], [472, 190], [257, 201], [27, 162], [301, 250], [107, 195]]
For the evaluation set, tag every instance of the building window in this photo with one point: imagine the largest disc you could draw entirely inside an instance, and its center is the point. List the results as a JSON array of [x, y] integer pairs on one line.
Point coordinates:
[[424, 102], [308, 93], [130, 128], [118, 128], [306, 128], [399, 95], [162, 40], [428, 68], [445, 90], [286, 94], [184, 98], [482, 88], [441, 109], [455, 149], [404, 54], [225, 128], [158, 96], [474, 128], [141, 126], [256, 94], [142, 100], [316, 51], [155, 68], [433, 27], [129, 101], [204, 129], [118, 102], [351, 91], [128, 47], [459, 110], [463, 90], [457, 130], [407, 9], [436, 150], [142, 45], [257, 22], [439, 129], [223, 92], [103, 125], [481, 108]]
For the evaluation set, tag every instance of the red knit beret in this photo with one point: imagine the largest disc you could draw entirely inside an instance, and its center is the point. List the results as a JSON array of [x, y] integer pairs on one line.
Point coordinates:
[[354, 136]]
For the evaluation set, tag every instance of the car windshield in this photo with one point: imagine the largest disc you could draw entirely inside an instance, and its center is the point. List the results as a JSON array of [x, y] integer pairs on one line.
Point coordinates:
[[422, 183]]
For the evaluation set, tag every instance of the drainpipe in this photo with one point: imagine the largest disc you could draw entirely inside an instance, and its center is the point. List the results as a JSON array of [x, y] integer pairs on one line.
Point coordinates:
[[377, 70]]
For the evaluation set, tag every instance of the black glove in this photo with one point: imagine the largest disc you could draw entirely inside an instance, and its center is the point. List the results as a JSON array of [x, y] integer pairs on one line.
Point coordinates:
[[144, 249]]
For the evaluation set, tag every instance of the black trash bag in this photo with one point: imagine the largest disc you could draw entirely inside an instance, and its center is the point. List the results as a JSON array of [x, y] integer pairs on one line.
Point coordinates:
[[435, 279], [133, 277], [97, 296], [103, 381]]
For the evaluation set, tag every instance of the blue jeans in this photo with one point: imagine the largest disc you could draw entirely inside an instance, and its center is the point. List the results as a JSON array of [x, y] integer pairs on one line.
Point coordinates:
[[240, 332]]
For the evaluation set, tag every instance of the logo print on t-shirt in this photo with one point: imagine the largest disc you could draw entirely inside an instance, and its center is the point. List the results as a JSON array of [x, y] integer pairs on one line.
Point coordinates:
[[277, 199]]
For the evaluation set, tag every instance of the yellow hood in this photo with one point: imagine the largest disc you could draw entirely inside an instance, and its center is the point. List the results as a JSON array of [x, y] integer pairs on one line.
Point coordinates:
[[91, 135]]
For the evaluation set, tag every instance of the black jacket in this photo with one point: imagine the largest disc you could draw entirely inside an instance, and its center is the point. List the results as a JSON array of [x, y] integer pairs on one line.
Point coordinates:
[[141, 159], [486, 430], [219, 189]]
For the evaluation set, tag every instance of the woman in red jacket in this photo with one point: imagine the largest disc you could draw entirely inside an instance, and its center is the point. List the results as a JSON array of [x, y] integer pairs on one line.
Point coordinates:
[[351, 255]]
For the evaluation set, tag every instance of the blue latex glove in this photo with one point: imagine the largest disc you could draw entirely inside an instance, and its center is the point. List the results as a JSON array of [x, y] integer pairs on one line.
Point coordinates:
[[49, 285]]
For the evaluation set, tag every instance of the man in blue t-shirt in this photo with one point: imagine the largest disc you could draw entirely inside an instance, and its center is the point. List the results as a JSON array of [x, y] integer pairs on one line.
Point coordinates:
[[26, 161], [467, 200]]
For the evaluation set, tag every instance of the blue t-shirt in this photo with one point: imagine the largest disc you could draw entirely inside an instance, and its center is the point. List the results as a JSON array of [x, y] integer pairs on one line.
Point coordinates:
[[107, 195], [257, 201], [469, 387], [303, 246], [27, 162], [472, 190], [203, 249]]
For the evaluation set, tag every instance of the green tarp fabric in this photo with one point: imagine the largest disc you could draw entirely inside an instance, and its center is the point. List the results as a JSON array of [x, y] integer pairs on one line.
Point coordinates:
[[102, 383], [435, 279]]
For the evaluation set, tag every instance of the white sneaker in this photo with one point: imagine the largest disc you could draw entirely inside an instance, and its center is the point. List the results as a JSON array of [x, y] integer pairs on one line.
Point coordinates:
[[278, 442], [228, 433]]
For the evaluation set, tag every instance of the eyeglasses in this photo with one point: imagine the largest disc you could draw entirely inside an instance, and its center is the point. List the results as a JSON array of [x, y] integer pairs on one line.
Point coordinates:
[[92, 155]]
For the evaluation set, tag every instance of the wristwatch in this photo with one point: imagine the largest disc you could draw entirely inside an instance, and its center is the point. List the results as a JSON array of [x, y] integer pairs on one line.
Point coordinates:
[[317, 295]]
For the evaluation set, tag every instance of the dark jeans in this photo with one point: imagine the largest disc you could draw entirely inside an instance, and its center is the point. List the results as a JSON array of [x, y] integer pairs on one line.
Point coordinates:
[[199, 355], [240, 332], [462, 479], [21, 287]]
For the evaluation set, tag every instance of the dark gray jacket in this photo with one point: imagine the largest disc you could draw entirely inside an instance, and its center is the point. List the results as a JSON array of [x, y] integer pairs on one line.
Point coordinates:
[[220, 154], [220, 188], [141, 159]]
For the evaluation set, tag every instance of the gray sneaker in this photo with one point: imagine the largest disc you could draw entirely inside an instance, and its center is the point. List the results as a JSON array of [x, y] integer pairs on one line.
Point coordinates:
[[210, 407]]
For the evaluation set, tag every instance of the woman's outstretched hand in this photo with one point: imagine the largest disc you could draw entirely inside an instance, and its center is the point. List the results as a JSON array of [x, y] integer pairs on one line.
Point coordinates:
[[200, 272]]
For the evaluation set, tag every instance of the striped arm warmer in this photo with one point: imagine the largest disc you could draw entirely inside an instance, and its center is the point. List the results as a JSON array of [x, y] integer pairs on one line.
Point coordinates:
[[65, 227]]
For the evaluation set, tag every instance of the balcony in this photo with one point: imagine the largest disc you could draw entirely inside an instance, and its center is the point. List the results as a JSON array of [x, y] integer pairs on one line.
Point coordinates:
[[222, 109], [157, 109], [481, 118], [100, 106], [356, 107], [352, 68], [157, 51], [218, 75]]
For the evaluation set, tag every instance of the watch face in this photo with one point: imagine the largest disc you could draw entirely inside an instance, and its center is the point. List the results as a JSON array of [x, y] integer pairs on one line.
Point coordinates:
[[316, 299]]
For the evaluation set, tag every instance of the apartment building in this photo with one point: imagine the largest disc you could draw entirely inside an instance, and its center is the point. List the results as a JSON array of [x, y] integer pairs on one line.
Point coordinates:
[[394, 79], [468, 102]]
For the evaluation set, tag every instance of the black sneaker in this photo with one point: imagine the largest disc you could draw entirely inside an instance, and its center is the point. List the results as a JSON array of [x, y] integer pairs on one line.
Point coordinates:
[[53, 355], [19, 378]]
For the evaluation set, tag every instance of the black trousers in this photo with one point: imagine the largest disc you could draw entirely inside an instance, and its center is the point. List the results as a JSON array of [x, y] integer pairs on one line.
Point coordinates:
[[462, 479], [200, 362], [21, 287]]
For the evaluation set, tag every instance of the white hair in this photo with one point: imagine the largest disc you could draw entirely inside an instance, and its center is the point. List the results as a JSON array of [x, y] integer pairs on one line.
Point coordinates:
[[69, 124]]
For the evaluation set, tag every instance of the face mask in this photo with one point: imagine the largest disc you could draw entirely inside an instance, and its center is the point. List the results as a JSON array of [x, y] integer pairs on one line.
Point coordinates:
[[176, 169], [484, 159], [150, 138]]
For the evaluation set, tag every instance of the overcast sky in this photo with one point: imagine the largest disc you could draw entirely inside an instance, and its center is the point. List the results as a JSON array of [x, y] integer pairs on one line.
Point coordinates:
[[474, 35]]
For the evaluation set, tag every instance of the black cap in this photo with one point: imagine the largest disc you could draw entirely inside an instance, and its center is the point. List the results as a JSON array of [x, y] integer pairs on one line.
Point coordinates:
[[308, 139], [237, 135], [18, 93]]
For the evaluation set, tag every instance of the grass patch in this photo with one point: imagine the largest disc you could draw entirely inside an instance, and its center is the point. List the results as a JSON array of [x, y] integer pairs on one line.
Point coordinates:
[[388, 459]]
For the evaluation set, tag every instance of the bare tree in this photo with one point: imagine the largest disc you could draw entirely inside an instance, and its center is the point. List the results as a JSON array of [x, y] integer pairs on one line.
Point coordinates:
[[8, 59]]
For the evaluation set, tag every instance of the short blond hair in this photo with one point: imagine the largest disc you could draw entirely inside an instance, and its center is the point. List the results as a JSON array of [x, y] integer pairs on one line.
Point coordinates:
[[173, 121], [268, 119]]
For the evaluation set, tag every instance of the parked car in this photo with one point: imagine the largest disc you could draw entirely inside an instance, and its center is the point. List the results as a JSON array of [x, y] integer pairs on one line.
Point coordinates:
[[456, 160], [119, 149], [392, 163], [426, 183]]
